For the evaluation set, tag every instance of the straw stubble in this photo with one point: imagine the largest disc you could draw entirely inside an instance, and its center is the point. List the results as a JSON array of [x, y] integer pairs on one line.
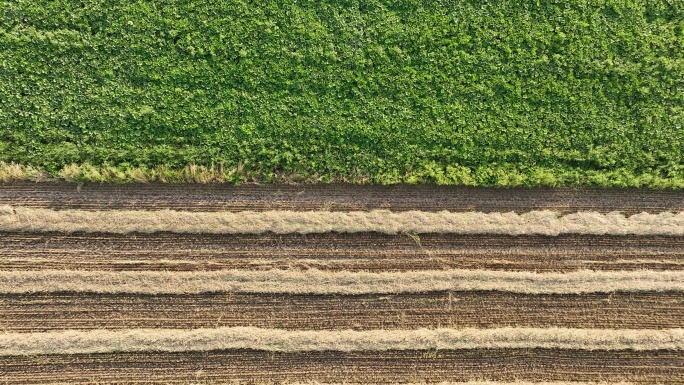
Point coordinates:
[[382, 221]]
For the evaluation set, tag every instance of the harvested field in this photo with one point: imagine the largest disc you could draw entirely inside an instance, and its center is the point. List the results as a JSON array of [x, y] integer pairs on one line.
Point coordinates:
[[558, 295]]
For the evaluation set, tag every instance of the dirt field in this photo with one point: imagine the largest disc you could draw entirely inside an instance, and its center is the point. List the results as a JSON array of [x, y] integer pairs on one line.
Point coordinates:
[[61, 311], [510, 365], [155, 196], [358, 257], [332, 251]]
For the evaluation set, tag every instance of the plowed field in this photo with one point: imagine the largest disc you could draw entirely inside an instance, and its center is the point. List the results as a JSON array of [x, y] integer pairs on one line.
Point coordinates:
[[550, 310], [331, 197], [258, 367]]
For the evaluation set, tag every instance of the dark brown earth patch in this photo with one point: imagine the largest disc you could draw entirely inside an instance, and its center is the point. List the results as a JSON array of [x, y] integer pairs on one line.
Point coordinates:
[[246, 366], [334, 251], [334, 197], [59, 311]]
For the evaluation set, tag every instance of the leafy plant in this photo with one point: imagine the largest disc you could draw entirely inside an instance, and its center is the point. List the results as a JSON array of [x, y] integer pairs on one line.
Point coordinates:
[[493, 93]]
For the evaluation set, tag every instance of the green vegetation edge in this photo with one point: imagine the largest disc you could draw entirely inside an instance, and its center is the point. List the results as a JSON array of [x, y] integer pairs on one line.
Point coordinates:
[[482, 93]]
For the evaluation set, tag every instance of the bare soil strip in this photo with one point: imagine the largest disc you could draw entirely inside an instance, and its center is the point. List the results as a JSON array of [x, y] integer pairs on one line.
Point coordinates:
[[252, 367], [315, 281], [279, 340], [61, 311], [381, 221], [335, 197], [481, 383], [337, 251]]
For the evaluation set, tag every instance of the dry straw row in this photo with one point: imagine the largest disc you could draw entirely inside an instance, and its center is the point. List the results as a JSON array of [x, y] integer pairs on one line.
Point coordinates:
[[382, 221], [177, 340], [315, 281]]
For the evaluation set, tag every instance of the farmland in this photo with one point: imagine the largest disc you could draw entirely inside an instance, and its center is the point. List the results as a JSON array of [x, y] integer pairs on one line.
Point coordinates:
[[495, 93], [342, 192], [347, 304]]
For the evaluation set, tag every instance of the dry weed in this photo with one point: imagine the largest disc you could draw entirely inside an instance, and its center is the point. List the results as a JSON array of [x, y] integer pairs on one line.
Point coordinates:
[[12, 172]]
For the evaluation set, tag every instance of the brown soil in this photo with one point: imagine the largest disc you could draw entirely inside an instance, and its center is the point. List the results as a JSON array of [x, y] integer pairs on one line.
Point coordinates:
[[246, 366], [47, 312], [334, 197], [331, 251], [362, 251]]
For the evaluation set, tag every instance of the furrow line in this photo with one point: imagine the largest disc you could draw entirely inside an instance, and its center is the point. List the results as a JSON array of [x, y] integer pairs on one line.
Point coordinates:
[[334, 197], [41, 312], [337, 251], [389, 367]]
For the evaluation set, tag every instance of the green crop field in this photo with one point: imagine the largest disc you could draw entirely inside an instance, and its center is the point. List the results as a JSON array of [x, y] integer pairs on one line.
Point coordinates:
[[492, 93]]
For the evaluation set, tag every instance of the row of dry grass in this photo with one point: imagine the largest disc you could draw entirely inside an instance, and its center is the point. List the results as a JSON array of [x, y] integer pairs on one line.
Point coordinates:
[[12, 172], [175, 340], [79, 173], [314, 281], [382, 221]]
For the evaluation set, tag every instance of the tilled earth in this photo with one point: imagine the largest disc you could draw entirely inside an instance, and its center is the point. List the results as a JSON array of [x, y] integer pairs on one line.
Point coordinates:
[[338, 251], [37, 312], [59, 311], [332, 197], [258, 367]]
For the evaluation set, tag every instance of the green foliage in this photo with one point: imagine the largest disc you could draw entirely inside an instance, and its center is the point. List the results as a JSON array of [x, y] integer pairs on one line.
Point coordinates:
[[499, 93]]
